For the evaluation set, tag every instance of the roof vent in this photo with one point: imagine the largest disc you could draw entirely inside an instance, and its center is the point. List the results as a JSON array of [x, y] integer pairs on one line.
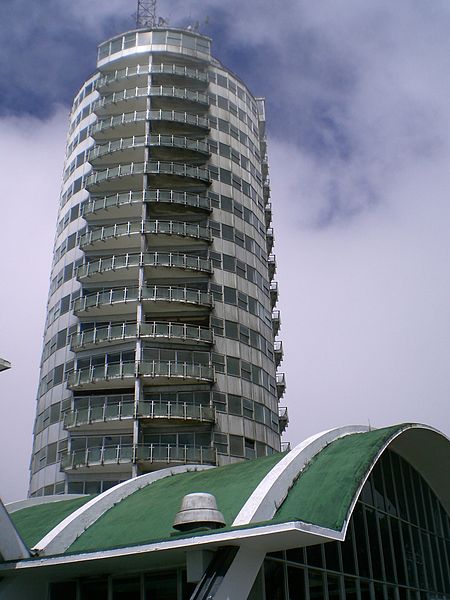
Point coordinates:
[[198, 510]]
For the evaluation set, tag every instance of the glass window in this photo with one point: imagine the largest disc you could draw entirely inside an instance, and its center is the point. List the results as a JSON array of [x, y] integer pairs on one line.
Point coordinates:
[[274, 580], [296, 583], [126, 588], [232, 330]]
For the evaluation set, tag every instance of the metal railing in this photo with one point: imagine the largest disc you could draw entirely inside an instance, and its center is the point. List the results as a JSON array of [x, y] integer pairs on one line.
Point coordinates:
[[147, 410], [154, 330], [148, 259], [183, 229], [162, 69], [155, 293], [285, 446], [172, 141], [149, 115], [150, 91], [149, 369], [130, 453], [159, 196]]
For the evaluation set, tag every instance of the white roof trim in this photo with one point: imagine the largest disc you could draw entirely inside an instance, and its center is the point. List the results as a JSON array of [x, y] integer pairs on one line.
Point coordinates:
[[294, 534], [273, 489], [65, 533], [12, 547]]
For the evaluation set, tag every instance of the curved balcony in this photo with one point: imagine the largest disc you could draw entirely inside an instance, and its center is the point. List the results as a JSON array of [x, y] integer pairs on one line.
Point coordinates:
[[276, 322], [123, 175], [159, 299], [181, 333], [97, 415], [278, 352], [111, 268], [114, 80], [127, 124], [268, 214], [281, 384], [122, 374], [132, 148], [130, 204], [269, 240], [272, 265], [273, 293], [283, 418], [149, 456], [136, 98], [118, 235]]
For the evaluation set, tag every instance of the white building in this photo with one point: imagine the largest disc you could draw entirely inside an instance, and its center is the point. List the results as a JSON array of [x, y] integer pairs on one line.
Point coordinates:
[[159, 344]]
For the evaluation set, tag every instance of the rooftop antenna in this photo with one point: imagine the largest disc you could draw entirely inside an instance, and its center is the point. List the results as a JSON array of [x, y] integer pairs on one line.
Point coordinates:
[[146, 14]]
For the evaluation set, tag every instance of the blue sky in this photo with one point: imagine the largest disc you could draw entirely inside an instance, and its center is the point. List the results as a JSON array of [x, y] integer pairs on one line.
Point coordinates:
[[359, 133]]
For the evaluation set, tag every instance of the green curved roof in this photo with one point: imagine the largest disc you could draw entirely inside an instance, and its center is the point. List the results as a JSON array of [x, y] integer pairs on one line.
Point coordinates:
[[33, 522], [324, 492], [148, 514]]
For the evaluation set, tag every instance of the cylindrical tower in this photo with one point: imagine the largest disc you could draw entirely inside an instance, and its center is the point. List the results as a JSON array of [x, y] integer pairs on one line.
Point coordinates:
[[159, 341]]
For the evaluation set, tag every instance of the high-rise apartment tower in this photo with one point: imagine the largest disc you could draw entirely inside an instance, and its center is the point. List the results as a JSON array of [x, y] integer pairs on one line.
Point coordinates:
[[159, 344]]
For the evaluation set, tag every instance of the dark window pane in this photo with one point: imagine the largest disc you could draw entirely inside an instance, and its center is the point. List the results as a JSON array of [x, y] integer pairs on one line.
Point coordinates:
[[409, 555], [365, 590], [398, 551], [274, 580], [334, 587], [128, 588], [374, 544], [316, 587], [94, 590], [161, 586], [332, 556], [314, 556], [66, 590], [296, 583], [386, 545], [351, 591], [361, 541], [348, 556]]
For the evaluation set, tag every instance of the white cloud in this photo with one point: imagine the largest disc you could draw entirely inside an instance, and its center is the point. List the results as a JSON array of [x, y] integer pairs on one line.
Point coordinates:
[[32, 155]]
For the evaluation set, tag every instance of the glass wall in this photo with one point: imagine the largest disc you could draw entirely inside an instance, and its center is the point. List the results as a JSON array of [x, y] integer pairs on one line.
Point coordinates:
[[396, 547]]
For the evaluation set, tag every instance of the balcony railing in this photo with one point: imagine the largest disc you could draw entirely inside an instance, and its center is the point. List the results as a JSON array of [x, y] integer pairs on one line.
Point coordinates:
[[283, 418], [149, 115], [272, 265], [276, 321], [281, 384], [157, 293], [278, 351], [160, 196], [149, 168], [169, 141], [285, 446], [149, 259], [167, 370], [147, 410], [156, 227], [154, 330], [142, 453], [151, 91], [162, 69], [273, 293]]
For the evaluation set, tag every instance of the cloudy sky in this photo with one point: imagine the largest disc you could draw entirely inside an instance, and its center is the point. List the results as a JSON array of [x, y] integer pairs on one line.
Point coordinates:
[[359, 131]]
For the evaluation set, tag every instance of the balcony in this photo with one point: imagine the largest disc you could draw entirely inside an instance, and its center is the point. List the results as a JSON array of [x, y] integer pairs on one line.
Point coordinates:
[[269, 240], [266, 190], [181, 333], [272, 265], [111, 268], [285, 446], [83, 417], [268, 214], [278, 352], [97, 415], [122, 374], [131, 123], [177, 411], [123, 176], [136, 98], [148, 456], [130, 204], [273, 293], [159, 299], [119, 235], [283, 418], [132, 148], [276, 322], [114, 80], [281, 384]]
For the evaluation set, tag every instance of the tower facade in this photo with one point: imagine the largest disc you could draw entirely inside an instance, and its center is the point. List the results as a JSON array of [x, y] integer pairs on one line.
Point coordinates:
[[159, 344]]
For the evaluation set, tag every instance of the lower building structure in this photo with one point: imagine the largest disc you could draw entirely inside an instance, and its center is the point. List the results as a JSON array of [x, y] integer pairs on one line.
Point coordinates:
[[349, 514]]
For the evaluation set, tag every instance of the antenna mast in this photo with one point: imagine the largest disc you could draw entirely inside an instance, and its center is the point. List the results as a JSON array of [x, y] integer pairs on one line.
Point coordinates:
[[146, 13]]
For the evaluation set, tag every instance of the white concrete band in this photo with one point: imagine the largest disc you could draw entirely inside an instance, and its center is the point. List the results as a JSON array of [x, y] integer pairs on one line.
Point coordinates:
[[273, 489]]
